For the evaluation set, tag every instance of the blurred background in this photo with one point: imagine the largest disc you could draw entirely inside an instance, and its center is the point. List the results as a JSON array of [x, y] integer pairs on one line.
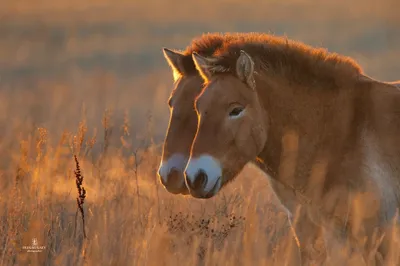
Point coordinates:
[[86, 67]]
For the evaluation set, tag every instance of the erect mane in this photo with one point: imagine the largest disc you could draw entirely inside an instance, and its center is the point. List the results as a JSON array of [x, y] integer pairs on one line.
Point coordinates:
[[205, 45], [293, 61]]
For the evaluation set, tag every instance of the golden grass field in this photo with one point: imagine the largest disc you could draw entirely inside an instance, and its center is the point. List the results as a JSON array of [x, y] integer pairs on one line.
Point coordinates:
[[89, 79]]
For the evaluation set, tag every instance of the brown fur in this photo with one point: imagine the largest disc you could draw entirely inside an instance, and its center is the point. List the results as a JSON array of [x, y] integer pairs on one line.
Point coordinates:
[[317, 125], [183, 118]]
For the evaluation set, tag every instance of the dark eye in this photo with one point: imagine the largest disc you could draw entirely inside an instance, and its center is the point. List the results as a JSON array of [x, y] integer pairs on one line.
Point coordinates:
[[236, 111]]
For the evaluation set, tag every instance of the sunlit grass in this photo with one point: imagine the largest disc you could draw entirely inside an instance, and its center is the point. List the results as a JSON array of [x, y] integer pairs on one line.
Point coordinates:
[[129, 217]]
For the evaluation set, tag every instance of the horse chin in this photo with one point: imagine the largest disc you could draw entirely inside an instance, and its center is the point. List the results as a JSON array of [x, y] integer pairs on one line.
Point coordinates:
[[206, 195], [183, 190]]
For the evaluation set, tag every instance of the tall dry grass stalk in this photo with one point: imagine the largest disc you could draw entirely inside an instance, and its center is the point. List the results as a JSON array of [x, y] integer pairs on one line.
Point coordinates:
[[80, 200], [107, 126], [136, 174]]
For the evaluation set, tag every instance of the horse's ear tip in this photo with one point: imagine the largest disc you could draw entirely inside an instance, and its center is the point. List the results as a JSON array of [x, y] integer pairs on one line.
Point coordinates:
[[166, 51]]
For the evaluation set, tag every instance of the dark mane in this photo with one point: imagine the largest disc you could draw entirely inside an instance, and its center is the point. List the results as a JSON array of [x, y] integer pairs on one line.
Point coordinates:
[[205, 45], [291, 60]]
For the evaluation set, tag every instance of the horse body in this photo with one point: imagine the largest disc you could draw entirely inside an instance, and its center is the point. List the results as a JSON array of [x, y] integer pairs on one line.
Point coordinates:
[[326, 134], [360, 190]]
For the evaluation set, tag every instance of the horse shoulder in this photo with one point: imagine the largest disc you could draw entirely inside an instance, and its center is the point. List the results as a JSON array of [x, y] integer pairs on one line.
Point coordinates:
[[380, 177], [381, 143]]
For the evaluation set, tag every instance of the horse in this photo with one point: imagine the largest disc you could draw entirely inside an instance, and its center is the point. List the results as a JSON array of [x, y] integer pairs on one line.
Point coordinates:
[[325, 132], [183, 117]]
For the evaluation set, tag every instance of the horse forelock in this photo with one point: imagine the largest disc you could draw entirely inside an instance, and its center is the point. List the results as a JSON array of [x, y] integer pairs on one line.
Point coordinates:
[[205, 45]]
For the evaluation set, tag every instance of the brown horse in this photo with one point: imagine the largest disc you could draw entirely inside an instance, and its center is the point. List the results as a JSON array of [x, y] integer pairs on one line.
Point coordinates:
[[326, 133], [183, 118]]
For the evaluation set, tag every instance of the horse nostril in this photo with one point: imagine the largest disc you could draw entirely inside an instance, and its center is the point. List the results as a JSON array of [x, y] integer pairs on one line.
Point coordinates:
[[200, 180], [173, 175]]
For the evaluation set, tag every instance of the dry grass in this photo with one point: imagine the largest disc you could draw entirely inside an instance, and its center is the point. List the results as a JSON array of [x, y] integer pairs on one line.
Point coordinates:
[[117, 225], [88, 79], [127, 217], [113, 211]]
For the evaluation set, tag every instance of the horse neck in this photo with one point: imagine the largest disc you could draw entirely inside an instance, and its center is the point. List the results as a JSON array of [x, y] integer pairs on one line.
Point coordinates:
[[304, 124]]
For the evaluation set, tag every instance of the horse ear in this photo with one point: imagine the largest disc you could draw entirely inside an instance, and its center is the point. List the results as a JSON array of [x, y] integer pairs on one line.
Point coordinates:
[[203, 65], [245, 69], [174, 60]]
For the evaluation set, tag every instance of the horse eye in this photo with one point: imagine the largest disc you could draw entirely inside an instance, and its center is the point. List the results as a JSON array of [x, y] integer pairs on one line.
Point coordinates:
[[236, 111]]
